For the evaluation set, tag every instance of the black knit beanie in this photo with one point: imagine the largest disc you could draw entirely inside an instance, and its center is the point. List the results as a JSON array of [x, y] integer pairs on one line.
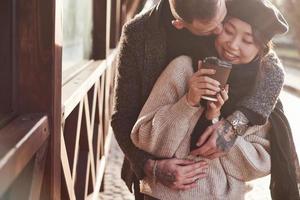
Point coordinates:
[[262, 15]]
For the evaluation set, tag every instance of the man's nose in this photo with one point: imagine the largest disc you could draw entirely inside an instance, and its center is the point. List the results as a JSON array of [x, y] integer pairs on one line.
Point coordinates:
[[218, 29]]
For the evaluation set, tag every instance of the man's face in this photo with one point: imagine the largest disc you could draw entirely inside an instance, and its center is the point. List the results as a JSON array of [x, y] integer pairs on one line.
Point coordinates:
[[213, 26]]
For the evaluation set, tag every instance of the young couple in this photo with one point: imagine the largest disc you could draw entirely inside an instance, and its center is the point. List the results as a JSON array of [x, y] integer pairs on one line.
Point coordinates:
[[166, 122]]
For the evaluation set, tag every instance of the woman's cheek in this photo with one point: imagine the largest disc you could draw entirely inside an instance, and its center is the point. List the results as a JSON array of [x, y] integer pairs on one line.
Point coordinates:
[[248, 52]]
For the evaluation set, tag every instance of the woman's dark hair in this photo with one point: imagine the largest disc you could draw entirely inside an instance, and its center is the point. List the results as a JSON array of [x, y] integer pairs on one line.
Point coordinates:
[[189, 10], [264, 44]]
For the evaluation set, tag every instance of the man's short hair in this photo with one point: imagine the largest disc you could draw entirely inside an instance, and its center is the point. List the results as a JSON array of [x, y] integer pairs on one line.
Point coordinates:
[[188, 10]]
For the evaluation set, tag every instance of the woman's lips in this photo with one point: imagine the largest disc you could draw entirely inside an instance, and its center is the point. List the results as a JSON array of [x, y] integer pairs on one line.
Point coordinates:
[[229, 56]]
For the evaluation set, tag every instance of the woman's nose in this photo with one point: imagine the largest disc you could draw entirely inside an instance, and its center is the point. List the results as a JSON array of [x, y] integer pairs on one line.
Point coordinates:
[[234, 44]]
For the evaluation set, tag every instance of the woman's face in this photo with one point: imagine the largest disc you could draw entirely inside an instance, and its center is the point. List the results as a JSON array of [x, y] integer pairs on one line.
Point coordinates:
[[236, 44]]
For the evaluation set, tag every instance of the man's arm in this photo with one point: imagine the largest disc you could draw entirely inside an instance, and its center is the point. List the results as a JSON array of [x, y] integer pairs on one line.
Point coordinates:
[[127, 103], [174, 173]]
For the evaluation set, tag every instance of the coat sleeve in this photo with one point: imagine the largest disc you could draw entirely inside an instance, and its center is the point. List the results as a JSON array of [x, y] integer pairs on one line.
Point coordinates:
[[127, 98], [259, 104], [250, 157], [165, 118]]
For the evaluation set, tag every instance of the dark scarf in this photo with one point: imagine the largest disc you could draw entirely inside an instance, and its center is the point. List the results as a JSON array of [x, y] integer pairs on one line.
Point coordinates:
[[284, 161]]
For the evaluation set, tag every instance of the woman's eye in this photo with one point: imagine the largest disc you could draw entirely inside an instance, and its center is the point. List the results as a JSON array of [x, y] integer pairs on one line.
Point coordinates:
[[248, 41]]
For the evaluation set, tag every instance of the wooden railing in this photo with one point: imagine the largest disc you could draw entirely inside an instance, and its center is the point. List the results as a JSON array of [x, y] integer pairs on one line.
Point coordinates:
[[61, 153], [86, 106]]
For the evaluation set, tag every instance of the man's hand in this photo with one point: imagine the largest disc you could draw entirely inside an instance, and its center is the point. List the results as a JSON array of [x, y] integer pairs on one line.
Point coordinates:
[[176, 173], [216, 140]]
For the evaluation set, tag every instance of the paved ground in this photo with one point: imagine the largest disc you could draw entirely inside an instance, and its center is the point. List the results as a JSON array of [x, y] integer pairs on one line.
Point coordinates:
[[115, 189]]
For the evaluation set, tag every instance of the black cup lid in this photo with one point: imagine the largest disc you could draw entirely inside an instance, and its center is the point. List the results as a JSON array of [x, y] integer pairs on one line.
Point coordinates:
[[216, 61]]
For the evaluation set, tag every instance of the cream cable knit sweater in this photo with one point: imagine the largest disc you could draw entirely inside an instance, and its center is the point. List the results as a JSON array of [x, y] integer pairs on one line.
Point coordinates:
[[164, 127]]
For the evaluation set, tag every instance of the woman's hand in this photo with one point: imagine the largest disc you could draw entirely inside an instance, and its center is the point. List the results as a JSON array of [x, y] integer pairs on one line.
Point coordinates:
[[213, 108], [200, 84]]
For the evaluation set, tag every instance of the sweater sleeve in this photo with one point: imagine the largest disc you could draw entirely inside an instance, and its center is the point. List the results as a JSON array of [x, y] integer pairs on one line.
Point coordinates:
[[249, 158], [127, 98], [259, 104], [164, 120]]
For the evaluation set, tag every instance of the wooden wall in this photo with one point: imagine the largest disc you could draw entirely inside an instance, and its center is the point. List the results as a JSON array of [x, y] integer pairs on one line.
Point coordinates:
[[6, 57], [39, 75]]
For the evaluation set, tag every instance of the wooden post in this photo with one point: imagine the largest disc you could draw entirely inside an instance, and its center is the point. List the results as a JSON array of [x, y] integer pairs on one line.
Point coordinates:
[[6, 58], [99, 33], [38, 63]]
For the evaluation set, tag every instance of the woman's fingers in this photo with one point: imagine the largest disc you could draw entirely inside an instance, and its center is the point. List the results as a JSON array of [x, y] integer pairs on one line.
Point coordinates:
[[202, 72], [206, 85], [209, 152], [212, 105], [204, 137], [227, 88], [209, 144], [199, 64], [220, 99], [202, 91], [206, 79], [224, 94]]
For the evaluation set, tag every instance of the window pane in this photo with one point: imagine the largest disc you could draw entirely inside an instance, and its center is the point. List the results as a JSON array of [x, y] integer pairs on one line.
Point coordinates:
[[77, 31]]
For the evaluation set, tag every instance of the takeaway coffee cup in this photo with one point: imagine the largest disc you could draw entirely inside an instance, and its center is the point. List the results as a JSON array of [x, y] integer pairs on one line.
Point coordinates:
[[222, 68]]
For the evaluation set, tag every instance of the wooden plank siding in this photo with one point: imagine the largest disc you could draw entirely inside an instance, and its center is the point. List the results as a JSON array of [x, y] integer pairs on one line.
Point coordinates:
[[39, 75], [6, 60], [56, 138], [20, 140]]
